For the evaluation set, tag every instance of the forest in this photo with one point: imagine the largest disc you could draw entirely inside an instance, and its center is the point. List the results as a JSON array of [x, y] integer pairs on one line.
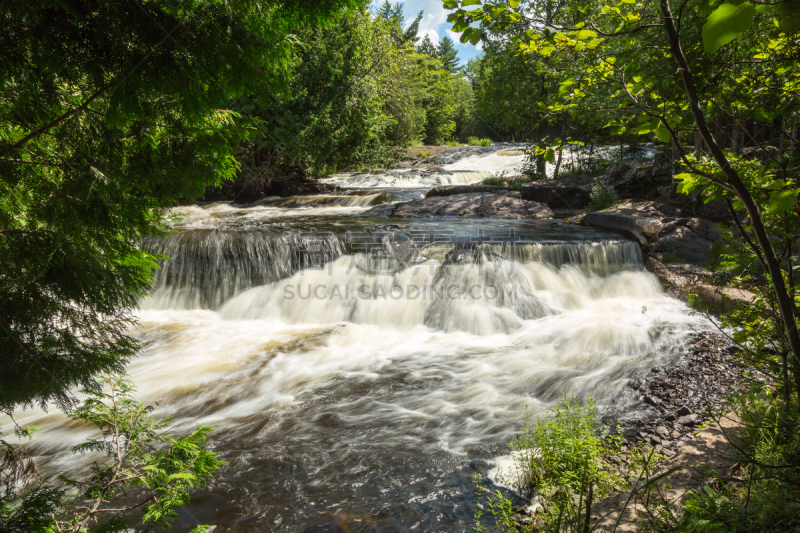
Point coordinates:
[[169, 168]]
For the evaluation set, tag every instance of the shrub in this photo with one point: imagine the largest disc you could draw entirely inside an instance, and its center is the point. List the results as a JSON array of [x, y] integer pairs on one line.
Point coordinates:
[[603, 196], [669, 257], [423, 154], [453, 143], [139, 470], [475, 141], [560, 464], [494, 181]]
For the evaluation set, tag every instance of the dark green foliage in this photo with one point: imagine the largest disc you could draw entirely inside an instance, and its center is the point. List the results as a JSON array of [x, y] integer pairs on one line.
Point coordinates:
[[111, 111], [332, 118]]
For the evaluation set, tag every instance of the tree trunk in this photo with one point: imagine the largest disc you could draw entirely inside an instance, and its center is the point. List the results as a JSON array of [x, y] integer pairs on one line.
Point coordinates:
[[785, 303], [698, 144]]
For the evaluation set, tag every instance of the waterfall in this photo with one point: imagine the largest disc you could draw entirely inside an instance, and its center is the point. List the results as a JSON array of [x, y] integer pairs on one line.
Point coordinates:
[[207, 267], [321, 201]]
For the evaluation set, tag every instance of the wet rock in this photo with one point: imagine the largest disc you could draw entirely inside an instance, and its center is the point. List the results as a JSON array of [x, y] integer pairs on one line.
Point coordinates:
[[450, 190], [650, 401], [568, 193], [683, 411], [474, 205]]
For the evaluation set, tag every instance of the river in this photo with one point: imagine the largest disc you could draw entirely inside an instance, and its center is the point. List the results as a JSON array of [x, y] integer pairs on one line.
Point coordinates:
[[359, 369]]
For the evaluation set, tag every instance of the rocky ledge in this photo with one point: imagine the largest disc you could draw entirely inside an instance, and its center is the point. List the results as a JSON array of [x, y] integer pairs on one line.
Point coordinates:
[[451, 190], [687, 394], [473, 205], [688, 237]]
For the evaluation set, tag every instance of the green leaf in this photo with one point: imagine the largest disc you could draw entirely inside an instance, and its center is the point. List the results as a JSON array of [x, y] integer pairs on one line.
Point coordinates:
[[662, 134], [460, 26], [513, 3], [782, 201], [466, 3], [473, 35], [565, 88], [726, 23], [788, 16]]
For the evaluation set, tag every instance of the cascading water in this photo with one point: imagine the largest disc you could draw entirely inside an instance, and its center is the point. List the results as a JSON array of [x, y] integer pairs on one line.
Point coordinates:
[[359, 368]]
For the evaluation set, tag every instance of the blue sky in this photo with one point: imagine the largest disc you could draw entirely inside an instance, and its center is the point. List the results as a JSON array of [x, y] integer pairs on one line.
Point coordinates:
[[434, 24]]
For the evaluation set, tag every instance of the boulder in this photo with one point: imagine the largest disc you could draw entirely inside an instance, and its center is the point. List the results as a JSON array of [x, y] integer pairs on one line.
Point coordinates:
[[450, 190], [473, 205], [644, 229], [689, 238], [570, 193], [662, 164], [632, 180]]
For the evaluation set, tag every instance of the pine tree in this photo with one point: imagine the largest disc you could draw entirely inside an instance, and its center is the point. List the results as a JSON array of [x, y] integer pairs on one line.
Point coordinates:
[[449, 55], [427, 47]]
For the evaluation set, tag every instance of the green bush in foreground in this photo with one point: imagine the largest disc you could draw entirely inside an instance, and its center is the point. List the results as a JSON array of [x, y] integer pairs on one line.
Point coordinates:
[[561, 466], [141, 471], [475, 141]]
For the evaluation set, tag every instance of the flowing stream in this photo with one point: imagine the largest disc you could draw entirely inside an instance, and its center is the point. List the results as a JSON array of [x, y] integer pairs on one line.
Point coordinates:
[[360, 368]]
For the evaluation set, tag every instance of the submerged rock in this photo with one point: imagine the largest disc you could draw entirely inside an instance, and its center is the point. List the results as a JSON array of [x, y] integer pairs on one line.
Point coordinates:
[[474, 205]]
